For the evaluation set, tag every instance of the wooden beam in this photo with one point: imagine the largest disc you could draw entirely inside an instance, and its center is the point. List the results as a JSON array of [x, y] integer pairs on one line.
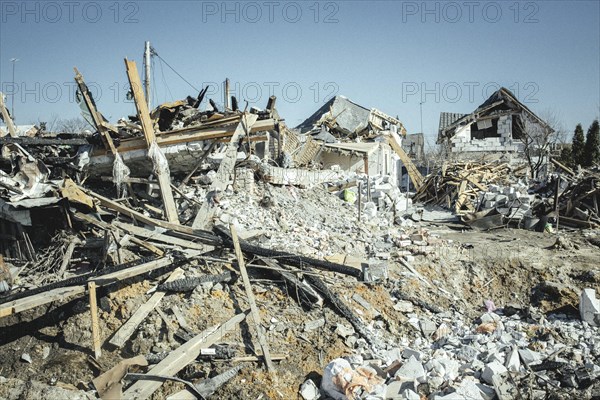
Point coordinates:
[[98, 119], [6, 117], [187, 135], [95, 325], [160, 237], [115, 206], [205, 214], [262, 340], [181, 357], [67, 257], [26, 303], [414, 174], [103, 225], [162, 171], [128, 328], [41, 141]]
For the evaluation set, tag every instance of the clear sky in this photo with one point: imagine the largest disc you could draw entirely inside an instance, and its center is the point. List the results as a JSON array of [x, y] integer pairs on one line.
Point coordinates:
[[391, 55]]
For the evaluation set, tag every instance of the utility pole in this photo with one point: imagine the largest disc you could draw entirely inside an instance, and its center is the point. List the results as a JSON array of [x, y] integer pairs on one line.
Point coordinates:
[[421, 111], [147, 74], [226, 104], [12, 111]]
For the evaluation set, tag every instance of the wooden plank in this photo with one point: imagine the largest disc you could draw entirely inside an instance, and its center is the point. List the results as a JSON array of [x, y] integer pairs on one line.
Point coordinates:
[[101, 126], [115, 206], [132, 271], [262, 340], [413, 172], [160, 237], [26, 303], [128, 328], [204, 217], [181, 357], [162, 173], [188, 135], [6, 117], [95, 325], [103, 225], [41, 141], [67, 257]]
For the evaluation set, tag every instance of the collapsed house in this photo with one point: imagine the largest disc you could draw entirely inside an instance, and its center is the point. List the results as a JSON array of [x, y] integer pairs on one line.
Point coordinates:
[[502, 124]]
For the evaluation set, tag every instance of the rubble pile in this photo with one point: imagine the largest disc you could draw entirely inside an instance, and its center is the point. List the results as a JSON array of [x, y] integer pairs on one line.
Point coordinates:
[[219, 254], [460, 185], [506, 353]]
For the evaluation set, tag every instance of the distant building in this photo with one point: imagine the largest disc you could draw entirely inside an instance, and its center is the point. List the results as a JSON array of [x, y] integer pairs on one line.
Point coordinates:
[[499, 125]]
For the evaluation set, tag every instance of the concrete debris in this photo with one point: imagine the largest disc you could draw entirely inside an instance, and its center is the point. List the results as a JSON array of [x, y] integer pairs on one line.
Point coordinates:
[[130, 239], [309, 391], [589, 307]]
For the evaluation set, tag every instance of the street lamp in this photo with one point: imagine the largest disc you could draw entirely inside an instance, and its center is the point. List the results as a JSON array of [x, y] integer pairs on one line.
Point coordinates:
[[12, 111]]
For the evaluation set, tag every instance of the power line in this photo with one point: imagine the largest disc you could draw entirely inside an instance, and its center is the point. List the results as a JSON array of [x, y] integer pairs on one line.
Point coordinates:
[[173, 69]]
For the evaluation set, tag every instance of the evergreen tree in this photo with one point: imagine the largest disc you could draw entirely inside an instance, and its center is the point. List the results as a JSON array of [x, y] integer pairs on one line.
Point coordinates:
[[578, 147], [566, 157], [592, 145]]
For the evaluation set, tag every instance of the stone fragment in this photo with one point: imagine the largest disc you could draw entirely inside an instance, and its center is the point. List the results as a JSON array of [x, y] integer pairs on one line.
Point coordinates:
[[513, 363], [411, 370], [404, 306], [408, 353], [309, 391], [312, 325], [427, 327], [589, 307], [529, 356], [492, 369]]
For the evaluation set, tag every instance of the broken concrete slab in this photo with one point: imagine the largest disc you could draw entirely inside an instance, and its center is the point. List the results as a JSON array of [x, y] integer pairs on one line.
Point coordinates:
[[589, 307]]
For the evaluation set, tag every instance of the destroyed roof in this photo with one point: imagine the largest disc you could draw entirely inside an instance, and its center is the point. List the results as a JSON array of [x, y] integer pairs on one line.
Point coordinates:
[[364, 148], [499, 103], [348, 115], [448, 118]]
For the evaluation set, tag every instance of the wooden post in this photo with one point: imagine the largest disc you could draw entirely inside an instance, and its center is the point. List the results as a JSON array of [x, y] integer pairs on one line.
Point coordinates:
[[164, 180], [95, 324], [6, 117], [103, 128], [359, 199], [226, 104], [253, 309], [556, 196]]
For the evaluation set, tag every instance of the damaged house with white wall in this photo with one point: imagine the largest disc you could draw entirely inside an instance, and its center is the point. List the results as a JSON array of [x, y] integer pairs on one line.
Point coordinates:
[[501, 125], [355, 138]]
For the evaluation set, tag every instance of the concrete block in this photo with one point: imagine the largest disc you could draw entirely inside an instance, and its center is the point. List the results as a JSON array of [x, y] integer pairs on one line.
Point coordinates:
[[408, 353], [375, 271], [529, 356], [411, 370], [492, 369], [404, 306], [312, 325], [501, 198], [504, 389], [489, 204], [513, 363], [309, 391], [427, 327], [589, 307]]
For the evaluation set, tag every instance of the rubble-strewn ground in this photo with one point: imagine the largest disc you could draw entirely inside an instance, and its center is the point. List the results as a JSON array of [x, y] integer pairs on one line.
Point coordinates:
[[533, 281]]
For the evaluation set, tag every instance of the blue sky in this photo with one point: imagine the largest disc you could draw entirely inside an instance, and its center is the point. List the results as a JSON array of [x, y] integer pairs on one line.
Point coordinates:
[[391, 55]]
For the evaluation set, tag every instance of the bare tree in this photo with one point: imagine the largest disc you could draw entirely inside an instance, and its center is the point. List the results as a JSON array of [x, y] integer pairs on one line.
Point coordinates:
[[72, 125], [540, 137]]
